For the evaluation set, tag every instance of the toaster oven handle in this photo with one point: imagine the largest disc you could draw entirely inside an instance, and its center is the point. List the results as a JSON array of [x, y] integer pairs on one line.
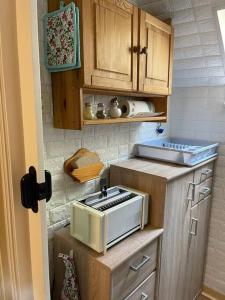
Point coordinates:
[[145, 259]]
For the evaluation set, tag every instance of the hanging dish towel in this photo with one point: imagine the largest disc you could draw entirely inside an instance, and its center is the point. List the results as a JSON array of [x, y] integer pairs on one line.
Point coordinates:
[[70, 289], [62, 38]]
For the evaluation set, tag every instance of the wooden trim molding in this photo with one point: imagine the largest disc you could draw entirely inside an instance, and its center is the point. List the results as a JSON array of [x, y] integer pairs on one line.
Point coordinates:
[[9, 265], [23, 235], [212, 294]]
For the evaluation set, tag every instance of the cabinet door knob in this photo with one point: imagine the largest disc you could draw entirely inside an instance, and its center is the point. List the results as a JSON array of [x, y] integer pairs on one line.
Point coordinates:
[[136, 49], [144, 50]]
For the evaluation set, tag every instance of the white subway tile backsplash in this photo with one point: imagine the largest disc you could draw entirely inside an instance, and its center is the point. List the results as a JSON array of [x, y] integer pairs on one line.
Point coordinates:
[[55, 165], [203, 12], [58, 199], [54, 149], [58, 214], [181, 30], [210, 50], [199, 73], [190, 52], [190, 63], [71, 146], [207, 25], [191, 82], [208, 38], [183, 16], [197, 3], [181, 5], [187, 41], [213, 61]]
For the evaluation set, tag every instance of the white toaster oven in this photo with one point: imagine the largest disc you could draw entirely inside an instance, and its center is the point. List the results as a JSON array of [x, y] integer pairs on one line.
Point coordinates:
[[103, 219]]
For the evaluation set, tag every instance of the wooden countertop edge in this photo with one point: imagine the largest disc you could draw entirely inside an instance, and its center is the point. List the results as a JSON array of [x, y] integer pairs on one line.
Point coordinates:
[[118, 253], [182, 170]]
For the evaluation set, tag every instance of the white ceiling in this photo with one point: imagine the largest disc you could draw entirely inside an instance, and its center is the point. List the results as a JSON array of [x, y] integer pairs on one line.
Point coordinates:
[[159, 8]]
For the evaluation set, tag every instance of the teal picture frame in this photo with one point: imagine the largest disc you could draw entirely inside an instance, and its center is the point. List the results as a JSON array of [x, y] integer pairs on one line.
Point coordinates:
[[76, 39]]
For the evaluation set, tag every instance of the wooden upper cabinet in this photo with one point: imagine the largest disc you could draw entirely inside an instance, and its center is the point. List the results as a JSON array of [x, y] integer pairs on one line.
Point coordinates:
[[156, 52], [110, 30], [113, 34]]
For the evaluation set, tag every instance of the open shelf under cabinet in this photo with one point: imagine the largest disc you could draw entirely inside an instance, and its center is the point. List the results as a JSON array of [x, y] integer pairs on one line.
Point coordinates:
[[124, 120]]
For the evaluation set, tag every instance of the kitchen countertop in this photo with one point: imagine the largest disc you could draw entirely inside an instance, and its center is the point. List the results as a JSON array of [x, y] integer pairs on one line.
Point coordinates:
[[167, 171], [116, 254]]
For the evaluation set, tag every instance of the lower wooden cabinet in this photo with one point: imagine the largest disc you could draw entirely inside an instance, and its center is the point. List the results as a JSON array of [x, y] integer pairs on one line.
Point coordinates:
[[197, 248], [185, 240], [155, 263], [180, 203], [129, 270], [132, 272], [146, 290]]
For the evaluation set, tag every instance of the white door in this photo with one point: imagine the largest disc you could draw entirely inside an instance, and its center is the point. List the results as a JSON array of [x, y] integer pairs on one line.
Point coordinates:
[[23, 237]]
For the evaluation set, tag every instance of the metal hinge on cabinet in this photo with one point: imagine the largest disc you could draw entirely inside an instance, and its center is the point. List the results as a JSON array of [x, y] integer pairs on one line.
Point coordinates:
[[32, 191]]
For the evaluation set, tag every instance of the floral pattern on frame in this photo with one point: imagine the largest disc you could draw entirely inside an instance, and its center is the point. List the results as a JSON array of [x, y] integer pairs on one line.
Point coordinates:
[[62, 38]]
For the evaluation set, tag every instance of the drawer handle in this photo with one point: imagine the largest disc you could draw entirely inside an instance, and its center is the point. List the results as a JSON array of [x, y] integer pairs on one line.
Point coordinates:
[[144, 296], [191, 191], [205, 174], [194, 226], [145, 259], [205, 192]]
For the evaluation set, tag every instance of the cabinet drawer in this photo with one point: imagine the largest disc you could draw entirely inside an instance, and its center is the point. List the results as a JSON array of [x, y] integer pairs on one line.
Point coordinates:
[[145, 291], [203, 173], [133, 271], [200, 191]]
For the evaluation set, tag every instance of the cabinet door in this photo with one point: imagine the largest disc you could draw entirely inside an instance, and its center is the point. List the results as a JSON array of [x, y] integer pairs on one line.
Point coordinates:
[[175, 239], [197, 248], [155, 61], [110, 30]]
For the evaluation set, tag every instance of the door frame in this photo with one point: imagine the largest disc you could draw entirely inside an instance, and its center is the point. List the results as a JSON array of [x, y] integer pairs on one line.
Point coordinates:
[[23, 234]]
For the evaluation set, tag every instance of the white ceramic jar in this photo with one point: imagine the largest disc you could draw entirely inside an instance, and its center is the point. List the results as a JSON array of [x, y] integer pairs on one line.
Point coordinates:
[[114, 111]]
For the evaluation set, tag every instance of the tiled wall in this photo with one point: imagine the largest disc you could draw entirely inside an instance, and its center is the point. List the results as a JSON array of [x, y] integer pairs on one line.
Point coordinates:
[[111, 142]]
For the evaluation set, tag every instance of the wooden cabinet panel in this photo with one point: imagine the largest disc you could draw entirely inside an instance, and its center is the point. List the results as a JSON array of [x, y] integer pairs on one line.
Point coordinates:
[[175, 239], [155, 65], [197, 248], [110, 35], [125, 279], [144, 291], [182, 253]]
